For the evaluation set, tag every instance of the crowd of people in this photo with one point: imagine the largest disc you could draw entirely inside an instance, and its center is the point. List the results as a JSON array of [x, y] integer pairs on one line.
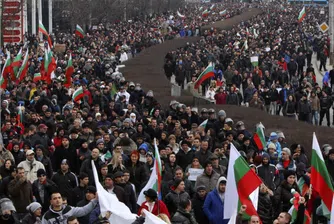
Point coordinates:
[[282, 82], [49, 141]]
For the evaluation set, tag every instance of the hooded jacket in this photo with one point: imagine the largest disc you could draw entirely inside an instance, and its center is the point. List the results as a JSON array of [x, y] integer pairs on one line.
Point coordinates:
[[60, 217], [30, 169], [197, 204], [214, 205], [268, 173]]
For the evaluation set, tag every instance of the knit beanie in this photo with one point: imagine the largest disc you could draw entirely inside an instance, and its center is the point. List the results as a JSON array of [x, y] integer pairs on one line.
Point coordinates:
[[33, 207]]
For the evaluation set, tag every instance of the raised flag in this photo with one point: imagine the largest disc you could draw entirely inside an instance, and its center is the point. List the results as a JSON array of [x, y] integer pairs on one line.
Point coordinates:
[[19, 119], [245, 46], [207, 73], [152, 219], [79, 31], [293, 211], [203, 124], [42, 29], [259, 137], [205, 13], [69, 72], [49, 65], [16, 64], [242, 186], [155, 179], [120, 213], [23, 69], [78, 94], [320, 179], [255, 33], [6, 70], [222, 13], [37, 77], [213, 6], [255, 60], [180, 15], [301, 15]]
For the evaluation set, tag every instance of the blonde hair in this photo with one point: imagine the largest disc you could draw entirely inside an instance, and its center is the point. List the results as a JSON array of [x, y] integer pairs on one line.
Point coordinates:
[[115, 161]]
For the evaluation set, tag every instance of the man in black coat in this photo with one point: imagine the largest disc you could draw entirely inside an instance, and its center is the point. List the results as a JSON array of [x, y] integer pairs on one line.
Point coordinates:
[[79, 191], [197, 205], [90, 194], [112, 188], [130, 196]]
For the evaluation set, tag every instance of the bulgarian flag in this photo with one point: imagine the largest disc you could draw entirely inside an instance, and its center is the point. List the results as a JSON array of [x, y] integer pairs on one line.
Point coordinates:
[[213, 6], [69, 72], [320, 179], [49, 64], [255, 60], [78, 94], [207, 73], [37, 77], [155, 179], [79, 31], [302, 15], [7, 69], [42, 29], [24, 69], [294, 209], [205, 13], [180, 15], [16, 65], [222, 13], [259, 137], [19, 119], [242, 187]]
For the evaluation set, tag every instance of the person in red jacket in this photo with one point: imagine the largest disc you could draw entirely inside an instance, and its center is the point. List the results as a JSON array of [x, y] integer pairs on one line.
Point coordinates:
[[221, 96], [152, 204]]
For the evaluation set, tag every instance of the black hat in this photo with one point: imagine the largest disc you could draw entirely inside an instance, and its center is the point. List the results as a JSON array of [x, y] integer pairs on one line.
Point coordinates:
[[245, 138], [118, 174], [288, 173], [91, 189], [331, 152], [151, 193], [41, 172], [109, 175], [200, 188]]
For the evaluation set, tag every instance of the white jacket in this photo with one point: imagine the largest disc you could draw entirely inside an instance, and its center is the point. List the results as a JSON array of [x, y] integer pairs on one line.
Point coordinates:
[[31, 168]]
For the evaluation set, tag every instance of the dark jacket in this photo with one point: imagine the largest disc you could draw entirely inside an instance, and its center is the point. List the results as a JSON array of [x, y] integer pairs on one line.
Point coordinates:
[[86, 167], [184, 159], [265, 208], [48, 187], [202, 156], [183, 217], [269, 174], [197, 204], [47, 165], [138, 175], [173, 199], [83, 219], [29, 219], [4, 187], [20, 194], [130, 197], [66, 183], [120, 194], [282, 197], [78, 194]]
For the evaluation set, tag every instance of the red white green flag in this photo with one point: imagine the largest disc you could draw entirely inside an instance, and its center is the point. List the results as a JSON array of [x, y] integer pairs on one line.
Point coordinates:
[[79, 31], [78, 94], [19, 119], [294, 208], [16, 64], [69, 72], [205, 13], [242, 187], [42, 29], [180, 15], [320, 179], [302, 15], [23, 69], [207, 73], [7, 70], [49, 64], [259, 137], [37, 77], [155, 179]]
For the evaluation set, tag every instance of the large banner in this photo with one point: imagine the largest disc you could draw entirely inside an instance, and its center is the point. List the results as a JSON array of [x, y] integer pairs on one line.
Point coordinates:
[[12, 21]]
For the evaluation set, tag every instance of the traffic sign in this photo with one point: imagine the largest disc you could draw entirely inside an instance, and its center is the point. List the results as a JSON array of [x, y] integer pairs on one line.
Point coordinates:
[[323, 27]]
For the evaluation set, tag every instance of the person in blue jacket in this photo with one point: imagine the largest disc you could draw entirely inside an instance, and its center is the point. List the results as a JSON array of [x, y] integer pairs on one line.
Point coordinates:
[[214, 203]]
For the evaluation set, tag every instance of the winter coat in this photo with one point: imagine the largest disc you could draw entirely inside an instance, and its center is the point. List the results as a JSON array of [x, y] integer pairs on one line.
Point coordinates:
[[30, 169], [66, 182], [138, 175], [173, 199], [183, 217], [86, 167], [214, 208], [268, 174], [21, 194], [233, 99], [129, 196], [31, 219], [203, 156], [184, 159], [282, 197], [280, 167], [161, 209], [47, 165], [265, 208], [48, 188], [60, 217], [208, 181], [4, 187], [197, 204]]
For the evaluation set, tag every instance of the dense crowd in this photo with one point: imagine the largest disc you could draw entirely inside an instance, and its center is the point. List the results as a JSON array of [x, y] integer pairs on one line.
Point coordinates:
[[283, 80], [49, 141]]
